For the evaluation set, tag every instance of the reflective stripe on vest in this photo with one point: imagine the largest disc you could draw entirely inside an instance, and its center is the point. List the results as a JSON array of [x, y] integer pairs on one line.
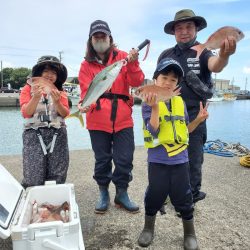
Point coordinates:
[[173, 134]]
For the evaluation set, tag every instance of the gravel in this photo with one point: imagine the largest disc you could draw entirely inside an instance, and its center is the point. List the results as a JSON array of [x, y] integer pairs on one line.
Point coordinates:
[[222, 220]]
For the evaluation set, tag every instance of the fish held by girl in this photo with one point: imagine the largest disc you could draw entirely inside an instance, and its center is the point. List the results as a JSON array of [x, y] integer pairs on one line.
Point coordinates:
[[216, 39], [41, 82]]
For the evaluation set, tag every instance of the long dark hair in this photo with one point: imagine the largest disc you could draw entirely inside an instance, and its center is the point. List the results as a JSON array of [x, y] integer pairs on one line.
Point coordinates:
[[91, 53]]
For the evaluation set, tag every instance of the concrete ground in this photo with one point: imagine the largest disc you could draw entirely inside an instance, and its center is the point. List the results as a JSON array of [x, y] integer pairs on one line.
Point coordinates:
[[222, 220]]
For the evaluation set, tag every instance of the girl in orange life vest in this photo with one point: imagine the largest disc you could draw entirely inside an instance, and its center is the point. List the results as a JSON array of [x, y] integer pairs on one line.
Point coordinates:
[[168, 170], [44, 105]]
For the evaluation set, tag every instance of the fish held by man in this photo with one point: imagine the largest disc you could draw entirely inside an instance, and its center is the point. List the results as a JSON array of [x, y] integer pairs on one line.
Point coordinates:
[[162, 93], [216, 39]]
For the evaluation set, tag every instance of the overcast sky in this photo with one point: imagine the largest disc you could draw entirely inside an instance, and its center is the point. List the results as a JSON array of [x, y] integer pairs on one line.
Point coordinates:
[[32, 28]]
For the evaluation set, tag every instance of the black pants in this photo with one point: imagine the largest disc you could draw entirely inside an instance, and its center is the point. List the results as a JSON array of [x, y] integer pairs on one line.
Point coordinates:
[[118, 147], [172, 180], [37, 167], [197, 140]]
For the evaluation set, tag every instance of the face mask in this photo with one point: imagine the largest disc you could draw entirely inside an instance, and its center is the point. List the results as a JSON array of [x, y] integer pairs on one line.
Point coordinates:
[[187, 45], [101, 46]]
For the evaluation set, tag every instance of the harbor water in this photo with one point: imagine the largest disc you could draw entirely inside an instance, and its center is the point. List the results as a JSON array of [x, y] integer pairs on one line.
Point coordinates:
[[228, 121]]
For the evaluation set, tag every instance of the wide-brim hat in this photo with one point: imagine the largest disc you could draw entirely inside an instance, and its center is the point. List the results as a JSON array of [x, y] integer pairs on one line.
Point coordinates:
[[185, 15], [53, 61]]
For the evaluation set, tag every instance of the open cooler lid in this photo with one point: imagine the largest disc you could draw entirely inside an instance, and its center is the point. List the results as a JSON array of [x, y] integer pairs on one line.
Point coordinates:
[[10, 194]]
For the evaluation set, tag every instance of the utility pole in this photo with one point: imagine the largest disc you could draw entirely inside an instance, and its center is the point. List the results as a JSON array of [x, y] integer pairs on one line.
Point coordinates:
[[232, 84], [246, 86], [60, 55], [1, 74]]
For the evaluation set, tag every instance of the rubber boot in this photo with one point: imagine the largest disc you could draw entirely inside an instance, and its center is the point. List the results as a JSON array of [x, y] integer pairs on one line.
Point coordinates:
[[147, 234], [190, 241], [122, 201], [104, 200]]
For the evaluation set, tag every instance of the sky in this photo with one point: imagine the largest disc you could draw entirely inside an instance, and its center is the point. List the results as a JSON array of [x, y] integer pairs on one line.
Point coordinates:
[[32, 28]]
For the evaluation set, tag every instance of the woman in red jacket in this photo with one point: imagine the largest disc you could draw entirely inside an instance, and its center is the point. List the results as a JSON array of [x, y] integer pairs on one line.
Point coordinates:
[[109, 120]]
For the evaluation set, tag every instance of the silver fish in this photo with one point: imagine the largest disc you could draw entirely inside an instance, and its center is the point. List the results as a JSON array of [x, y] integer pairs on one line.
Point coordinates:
[[102, 82], [215, 40]]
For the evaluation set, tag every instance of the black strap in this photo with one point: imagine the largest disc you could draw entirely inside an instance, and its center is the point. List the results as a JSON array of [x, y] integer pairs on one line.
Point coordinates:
[[114, 98]]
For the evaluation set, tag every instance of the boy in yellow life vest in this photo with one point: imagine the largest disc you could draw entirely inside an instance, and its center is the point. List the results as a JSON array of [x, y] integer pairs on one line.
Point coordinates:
[[166, 129]]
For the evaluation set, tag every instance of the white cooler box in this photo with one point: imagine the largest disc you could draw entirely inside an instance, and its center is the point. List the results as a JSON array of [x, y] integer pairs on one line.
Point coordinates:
[[16, 211]]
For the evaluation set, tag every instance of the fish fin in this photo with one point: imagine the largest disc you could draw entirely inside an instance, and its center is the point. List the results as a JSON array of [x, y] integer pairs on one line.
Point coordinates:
[[199, 48], [77, 115]]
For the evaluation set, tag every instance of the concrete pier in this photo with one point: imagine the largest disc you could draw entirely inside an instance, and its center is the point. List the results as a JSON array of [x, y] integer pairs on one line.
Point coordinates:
[[9, 100], [221, 220]]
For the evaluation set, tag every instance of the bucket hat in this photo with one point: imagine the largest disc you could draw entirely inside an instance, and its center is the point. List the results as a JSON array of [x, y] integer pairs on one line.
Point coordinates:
[[99, 26], [168, 63], [53, 61], [185, 15]]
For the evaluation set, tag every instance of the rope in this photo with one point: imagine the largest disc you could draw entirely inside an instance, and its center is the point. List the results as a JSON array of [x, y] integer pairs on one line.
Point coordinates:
[[245, 161], [221, 148]]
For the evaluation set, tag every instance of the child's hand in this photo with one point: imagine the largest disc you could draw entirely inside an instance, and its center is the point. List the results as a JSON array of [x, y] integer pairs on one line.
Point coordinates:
[[56, 95], [150, 99], [37, 91], [203, 113]]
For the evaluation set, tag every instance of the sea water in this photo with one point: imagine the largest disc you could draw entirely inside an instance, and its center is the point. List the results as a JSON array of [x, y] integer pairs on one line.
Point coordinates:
[[228, 121]]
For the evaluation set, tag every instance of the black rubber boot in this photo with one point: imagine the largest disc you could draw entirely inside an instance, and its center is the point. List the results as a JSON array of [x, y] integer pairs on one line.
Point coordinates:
[[122, 201], [190, 241], [199, 196], [104, 200], [147, 234]]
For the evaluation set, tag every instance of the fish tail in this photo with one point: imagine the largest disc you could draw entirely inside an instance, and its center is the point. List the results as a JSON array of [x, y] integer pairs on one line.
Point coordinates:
[[201, 49], [77, 115]]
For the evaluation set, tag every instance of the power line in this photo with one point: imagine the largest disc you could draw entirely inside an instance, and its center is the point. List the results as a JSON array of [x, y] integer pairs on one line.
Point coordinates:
[[29, 49], [16, 55]]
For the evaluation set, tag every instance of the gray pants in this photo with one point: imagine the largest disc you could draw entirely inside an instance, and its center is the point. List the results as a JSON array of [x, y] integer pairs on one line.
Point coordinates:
[[37, 167]]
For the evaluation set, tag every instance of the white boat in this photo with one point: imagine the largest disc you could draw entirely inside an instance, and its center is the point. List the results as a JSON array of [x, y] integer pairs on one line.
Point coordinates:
[[73, 91], [216, 98]]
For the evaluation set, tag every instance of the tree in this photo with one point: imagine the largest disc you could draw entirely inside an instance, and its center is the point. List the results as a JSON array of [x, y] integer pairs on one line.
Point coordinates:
[[15, 76]]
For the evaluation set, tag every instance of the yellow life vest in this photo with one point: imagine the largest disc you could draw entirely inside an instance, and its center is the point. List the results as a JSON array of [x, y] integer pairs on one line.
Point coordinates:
[[173, 134]]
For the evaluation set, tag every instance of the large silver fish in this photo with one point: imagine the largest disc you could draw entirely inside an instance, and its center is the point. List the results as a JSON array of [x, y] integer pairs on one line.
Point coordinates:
[[102, 82], [216, 39]]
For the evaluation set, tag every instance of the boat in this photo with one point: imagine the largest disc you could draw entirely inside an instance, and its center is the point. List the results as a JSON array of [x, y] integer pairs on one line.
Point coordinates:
[[216, 98], [73, 91], [229, 97]]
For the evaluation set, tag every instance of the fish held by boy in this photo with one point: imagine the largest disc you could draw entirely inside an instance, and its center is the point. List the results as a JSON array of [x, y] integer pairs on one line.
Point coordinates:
[[216, 39], [162, 93]]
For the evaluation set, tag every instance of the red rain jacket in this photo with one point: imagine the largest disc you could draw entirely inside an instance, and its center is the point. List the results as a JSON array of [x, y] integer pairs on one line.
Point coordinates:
[[130, 75]]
